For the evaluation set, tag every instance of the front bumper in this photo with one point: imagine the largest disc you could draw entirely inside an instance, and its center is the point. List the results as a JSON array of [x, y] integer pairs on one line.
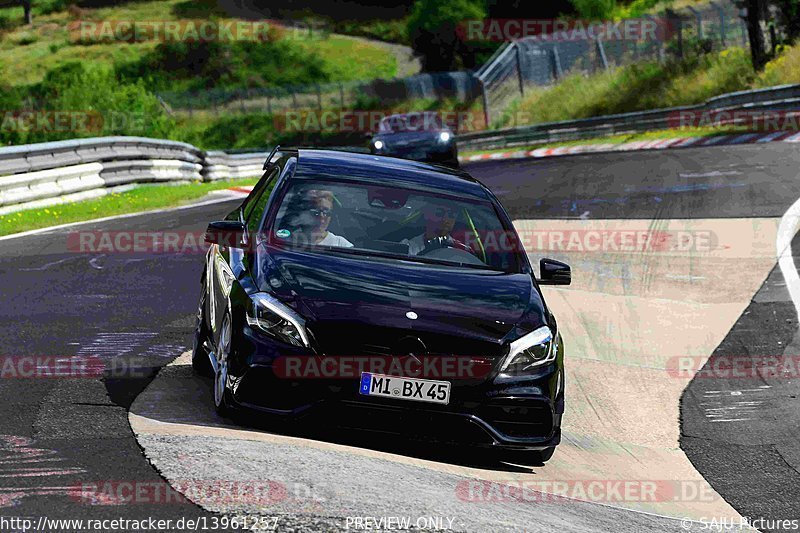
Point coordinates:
[[523, 413]]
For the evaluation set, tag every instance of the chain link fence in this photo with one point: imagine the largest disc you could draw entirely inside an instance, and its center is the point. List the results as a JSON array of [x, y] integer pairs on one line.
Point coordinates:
[[461, 86], [543, 60], [515, 67]]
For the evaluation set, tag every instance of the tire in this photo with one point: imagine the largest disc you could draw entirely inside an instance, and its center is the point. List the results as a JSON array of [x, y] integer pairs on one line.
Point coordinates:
[[201, 363], [221, 393]]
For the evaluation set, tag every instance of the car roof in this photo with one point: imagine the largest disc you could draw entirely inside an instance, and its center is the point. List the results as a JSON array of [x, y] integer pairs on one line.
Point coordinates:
[[385, 170]]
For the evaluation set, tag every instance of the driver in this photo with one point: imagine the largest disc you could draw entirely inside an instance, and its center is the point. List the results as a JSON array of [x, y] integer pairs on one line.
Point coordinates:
[[440, 219], [320, 209]]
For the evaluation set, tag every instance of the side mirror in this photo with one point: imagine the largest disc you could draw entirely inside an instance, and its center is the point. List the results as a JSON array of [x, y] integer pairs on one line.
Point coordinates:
[[226, 233], [554, 272]]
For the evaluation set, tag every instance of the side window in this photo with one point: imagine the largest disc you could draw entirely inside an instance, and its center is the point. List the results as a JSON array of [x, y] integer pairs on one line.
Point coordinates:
[[258, 193], [254, 209]]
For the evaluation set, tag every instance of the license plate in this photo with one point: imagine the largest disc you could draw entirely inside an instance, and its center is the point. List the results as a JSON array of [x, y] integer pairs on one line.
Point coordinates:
[[420, 390]]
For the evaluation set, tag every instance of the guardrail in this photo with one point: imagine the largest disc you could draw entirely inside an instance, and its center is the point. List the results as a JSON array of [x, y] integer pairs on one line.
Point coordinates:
[[779, 98], [222, 165], [49, 173], [39, 175], [43, 174]]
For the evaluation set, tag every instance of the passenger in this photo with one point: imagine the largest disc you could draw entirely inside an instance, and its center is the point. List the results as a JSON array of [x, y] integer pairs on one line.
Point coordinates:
[[321, 211]]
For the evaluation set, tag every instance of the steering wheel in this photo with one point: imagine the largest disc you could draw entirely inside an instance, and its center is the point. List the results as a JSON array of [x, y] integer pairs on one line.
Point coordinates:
[[449, 249], [443, 242]]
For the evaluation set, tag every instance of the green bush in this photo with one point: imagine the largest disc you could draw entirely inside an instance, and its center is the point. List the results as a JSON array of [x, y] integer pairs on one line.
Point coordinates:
[[202, 65], [595, 9], [113, 107]]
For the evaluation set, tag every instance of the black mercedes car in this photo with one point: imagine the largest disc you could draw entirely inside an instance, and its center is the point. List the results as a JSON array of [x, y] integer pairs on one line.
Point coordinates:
[[381, 294], [421, 136]]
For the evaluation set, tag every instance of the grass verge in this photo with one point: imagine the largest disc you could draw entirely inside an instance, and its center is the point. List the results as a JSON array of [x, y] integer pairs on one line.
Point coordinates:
[[643, 86], [142, 198]]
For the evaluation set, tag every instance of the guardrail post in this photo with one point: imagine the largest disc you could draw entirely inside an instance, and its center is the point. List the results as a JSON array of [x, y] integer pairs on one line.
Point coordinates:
[[699, 21], [723, 33], [519, 70], [743, 26], [557, 72], [485, 103], [601, 52]]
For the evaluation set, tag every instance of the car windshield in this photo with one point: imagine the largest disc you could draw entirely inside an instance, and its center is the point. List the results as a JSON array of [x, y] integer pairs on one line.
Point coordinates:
[[366, 219]]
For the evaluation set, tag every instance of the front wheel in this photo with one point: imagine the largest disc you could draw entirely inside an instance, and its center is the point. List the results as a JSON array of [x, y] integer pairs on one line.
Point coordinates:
[[221, 392], [201, 363]]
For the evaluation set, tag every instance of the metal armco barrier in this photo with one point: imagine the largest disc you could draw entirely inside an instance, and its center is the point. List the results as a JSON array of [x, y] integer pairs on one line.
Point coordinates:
[[47, 173], [779, 98]]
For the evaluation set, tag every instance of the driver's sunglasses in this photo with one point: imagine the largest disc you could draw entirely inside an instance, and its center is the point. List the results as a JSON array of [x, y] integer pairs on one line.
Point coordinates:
[[441, 212], [320, 212]]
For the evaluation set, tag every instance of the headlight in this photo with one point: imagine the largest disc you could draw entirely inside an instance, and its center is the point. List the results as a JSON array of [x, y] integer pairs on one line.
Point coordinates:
[[526, 353], [444, 136], [272, 317], [378, 145]]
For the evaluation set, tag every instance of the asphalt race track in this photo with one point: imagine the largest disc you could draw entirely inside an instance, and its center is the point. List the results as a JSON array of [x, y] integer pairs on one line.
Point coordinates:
[[629, 320]]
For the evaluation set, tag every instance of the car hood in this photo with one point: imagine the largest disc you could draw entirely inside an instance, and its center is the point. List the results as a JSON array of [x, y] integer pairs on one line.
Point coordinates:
[[332, 290]]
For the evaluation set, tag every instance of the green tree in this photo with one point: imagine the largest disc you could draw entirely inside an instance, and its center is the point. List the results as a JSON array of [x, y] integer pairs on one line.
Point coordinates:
[[432, 28], [788, 17], [26, 6], [595, 9]]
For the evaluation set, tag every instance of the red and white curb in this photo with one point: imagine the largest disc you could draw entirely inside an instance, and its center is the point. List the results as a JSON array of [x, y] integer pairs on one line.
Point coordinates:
[[660, 144], [232, 192]]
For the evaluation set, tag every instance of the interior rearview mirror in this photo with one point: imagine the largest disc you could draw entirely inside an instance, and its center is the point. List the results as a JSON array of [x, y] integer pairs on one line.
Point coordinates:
[[554, 272]]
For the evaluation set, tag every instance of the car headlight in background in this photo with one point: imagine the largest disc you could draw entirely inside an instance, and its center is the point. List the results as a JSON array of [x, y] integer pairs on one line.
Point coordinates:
[[378, 145], [529, 352], [444, 136], [272, 317]]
